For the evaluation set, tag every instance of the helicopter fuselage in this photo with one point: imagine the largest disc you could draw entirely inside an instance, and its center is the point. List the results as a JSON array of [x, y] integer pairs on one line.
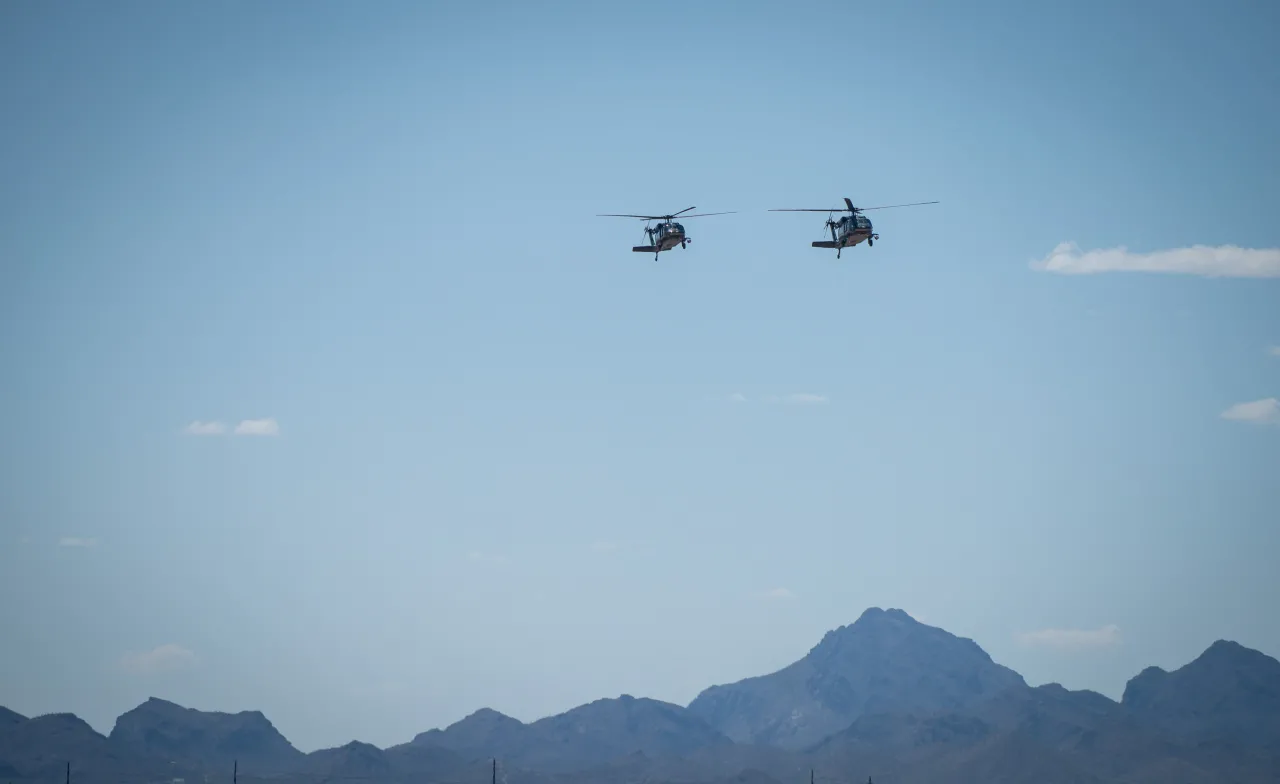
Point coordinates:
[[852, 230], [847, 232], [664, 236]]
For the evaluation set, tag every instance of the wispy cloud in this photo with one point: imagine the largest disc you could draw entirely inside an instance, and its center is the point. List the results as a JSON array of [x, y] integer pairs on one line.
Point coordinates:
[[1274, 351], [246, 427], [1072, 639], [605, 546], [1223, 261], [798, 399], [1258, 412], [777, 594], [164, 658], [77, 541], [198, 428], [487, 558], [258, 427], [737, 397]]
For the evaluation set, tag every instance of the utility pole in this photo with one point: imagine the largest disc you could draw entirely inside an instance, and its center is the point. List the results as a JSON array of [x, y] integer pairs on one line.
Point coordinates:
[[495, 770], [235, 771]]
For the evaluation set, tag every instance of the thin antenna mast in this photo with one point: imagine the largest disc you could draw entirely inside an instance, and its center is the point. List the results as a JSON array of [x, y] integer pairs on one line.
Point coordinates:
[[495, 770], [235, 771]]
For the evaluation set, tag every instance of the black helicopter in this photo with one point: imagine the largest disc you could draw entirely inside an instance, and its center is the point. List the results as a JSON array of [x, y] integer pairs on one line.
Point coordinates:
[[667, 234], [853, 228]]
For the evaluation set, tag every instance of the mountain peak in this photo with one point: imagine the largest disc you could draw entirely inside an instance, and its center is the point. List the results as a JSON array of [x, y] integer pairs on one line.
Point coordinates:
[[884, 660], [873, 618], [1227, 692], [876, 613], [1230, 650], [476, 731], [170, 731], [488, 714]]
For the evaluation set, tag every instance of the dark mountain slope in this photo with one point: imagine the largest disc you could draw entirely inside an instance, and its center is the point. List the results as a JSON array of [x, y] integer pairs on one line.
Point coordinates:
[[39, 749], [356, 759], [1230, 694], [485, 733], [926, 706], [8, 718], [591, 734], [210, 740], [885, 662]]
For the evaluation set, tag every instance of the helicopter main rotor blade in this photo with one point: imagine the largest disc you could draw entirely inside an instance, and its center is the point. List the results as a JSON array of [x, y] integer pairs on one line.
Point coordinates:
[[855, 209], [891, 206], [680, 214]]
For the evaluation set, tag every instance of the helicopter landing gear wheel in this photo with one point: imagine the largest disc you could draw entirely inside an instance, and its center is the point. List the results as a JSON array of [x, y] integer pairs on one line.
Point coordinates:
[[870, 242]]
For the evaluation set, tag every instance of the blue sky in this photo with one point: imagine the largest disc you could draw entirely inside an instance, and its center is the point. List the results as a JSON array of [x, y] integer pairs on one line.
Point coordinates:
[[497, 458]]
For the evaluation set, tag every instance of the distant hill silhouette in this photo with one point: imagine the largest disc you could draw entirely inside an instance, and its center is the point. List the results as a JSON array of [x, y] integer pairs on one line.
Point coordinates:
[[1228, 694], [355, 759], [885, 696], [594, 733], [483, 733], [886, 661], [207, 740], [39, 749]]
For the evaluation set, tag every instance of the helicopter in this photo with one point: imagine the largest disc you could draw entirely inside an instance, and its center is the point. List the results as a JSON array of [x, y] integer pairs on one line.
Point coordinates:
[[667, 234], [851, 229]]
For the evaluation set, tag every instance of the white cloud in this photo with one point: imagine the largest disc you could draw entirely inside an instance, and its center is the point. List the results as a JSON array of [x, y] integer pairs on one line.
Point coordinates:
[[737, 397], [77, 541], [1072, 639], [777, 594], [165, 658], [258, 427], [488, 558], [198, 428], [1258, 412], [1225, 261]]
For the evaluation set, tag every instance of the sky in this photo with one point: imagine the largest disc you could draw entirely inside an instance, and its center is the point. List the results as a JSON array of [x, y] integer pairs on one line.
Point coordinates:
[[326, 393]]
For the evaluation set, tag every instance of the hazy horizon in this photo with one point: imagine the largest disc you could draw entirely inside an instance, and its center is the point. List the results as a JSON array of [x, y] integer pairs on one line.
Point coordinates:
[[327, 395], [1079, 639]]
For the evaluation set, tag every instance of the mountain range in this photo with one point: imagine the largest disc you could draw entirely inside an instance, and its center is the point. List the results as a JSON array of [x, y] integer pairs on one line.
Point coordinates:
[[886, 697]]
